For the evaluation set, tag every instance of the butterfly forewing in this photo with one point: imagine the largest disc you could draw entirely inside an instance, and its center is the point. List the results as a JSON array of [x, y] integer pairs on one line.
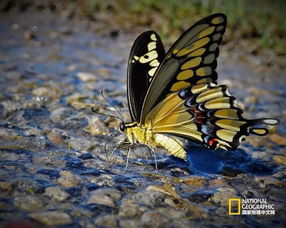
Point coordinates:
[[146, 55], [191, 60]]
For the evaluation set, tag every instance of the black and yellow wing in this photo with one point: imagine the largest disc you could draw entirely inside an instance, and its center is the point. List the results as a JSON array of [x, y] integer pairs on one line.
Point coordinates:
[[184, 99], [146, 55], [191, 60]]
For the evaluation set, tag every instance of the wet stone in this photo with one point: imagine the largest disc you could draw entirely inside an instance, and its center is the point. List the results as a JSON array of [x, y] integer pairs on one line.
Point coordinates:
[[128, 209], [56, 138], [104, 196], [6, 186], [106, 221], [28, 203], [68, 179], [130, 223], [96, 126], [222, 195], [200, 196], [80, 144], [56, 193], [52, 161], [154, 219], [60, 114], [86, 76], [51, 218], [25, 185], [280, 159], [278, 139]]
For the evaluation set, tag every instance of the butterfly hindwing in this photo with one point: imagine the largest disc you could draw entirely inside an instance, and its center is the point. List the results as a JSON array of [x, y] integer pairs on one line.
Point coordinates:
[[207, 113], [191, 60], [146, 55]]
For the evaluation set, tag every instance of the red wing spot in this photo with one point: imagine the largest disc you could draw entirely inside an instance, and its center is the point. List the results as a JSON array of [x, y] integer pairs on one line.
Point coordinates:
[[212, 141], [200, 115]]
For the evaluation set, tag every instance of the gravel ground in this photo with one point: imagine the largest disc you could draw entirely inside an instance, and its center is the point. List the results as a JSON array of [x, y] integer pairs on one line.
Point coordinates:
[[56, 167]]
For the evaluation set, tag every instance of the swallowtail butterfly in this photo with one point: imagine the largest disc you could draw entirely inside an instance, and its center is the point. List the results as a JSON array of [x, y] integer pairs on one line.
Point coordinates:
[[176, 93]]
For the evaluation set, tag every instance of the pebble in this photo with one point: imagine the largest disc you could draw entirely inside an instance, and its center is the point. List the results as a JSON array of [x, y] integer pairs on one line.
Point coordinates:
[[51, 218], [80, 143], [278, 139], [6, 186], [194, 181], [56, 193], [28, 203], [130, 223], [154, 219], [47, 92], [280, 159], [104, 196], [222, 195], [128, 209], [68, 179], [96, 127], [106, 221], [56, 138], [86, 76], [60, 114]]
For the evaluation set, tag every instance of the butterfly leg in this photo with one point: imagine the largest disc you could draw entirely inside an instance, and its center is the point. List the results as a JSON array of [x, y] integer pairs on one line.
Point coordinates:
[[155, 159], [127, 159]]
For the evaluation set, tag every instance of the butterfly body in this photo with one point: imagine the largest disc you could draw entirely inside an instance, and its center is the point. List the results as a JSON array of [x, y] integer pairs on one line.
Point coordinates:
[[143, 135], [176, 93]]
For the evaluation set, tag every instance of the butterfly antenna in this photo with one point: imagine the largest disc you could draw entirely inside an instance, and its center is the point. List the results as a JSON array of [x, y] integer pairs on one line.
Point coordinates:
[[121, 117]]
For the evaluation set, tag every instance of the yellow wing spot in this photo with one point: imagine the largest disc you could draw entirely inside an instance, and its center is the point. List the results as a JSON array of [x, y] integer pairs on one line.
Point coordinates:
[[136, 57], [226, 135], [259, 131], [226, 113], [198, 52], [223, 143], [185, 75], [199, 88], [203, 80], [206, 31], [210, 94], [151, 46], [148, 57], [175, 51], [191, 63], [216, 36], [232, 125], [209, 59], [154, 63], [213, 47], [180, 85], [152, 71], [199, 43], [217, 20], [218, 103], [204, 71], [153, 37]]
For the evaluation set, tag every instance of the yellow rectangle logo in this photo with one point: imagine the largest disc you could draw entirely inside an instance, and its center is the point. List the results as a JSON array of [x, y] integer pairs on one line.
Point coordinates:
[[234, 206]]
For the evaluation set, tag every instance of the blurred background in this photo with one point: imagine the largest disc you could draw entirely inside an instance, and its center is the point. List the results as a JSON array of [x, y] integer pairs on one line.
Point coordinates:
[[261, 21]]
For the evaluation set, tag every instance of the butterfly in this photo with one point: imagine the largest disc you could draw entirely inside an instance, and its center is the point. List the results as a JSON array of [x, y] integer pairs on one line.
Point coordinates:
[[176, 93]]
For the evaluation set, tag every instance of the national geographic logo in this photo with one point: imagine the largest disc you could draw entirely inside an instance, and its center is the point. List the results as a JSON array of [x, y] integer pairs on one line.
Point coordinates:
[[251, 206], [234, 206]]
